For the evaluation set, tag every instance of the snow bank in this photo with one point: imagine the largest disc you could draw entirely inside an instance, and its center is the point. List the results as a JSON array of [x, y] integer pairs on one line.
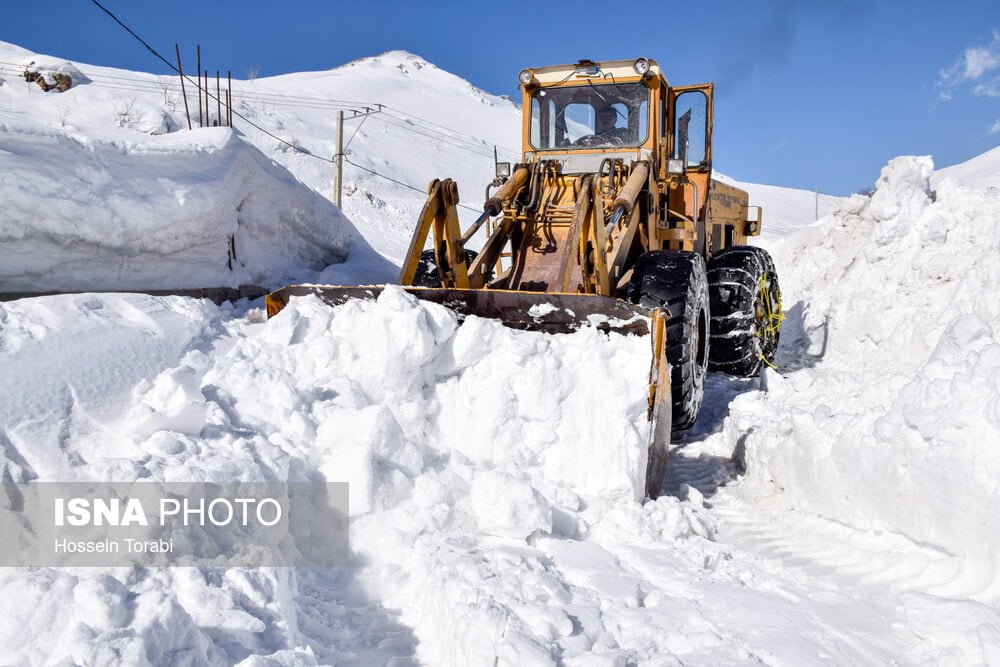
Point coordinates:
[[889, 415], [83, 213]]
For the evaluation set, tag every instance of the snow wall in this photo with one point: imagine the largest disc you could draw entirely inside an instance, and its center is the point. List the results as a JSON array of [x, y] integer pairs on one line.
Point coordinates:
[[159, 212], [893, 422]]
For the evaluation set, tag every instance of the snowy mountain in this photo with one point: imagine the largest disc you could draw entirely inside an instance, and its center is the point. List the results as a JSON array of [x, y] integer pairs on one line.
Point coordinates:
[[841, 508], [785, 209]]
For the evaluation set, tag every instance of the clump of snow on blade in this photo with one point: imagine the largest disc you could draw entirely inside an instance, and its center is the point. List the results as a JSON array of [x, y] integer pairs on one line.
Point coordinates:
[[542, 309], [887, 412]]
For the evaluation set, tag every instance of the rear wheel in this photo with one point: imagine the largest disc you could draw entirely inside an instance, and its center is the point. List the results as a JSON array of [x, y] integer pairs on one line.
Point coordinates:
[[676, 281], [746, 310]]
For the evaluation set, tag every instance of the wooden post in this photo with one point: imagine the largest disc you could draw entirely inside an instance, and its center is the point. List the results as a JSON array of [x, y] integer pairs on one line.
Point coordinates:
[[218, 98], [180, 70], [208, 116], [201, 118], [338, 174]]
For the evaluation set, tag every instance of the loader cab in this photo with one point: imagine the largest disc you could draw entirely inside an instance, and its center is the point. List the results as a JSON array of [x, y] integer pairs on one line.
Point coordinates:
[[589, 116], [583, 113], [607, 109]]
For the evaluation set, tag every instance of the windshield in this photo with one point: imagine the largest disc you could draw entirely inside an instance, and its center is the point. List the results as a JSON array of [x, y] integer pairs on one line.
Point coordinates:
[[606, 115]]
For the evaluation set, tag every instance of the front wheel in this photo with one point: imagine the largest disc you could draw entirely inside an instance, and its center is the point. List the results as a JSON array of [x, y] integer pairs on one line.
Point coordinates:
[[427, 274], [746, 310], [676, 281]]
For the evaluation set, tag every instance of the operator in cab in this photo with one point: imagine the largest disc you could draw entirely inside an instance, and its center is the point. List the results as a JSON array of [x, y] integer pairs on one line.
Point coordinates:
[[606, 130]]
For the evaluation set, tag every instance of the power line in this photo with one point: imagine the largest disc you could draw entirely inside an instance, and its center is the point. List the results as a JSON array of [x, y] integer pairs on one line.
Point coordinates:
[[208, 92], [430, 122], [481, 150], [398, 182], [356, 130]]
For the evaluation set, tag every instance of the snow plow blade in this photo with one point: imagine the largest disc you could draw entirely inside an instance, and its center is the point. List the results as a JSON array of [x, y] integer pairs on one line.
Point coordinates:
[[549, 313], [531, 311]]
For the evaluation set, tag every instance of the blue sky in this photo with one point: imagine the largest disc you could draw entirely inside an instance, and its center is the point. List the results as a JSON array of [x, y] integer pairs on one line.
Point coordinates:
[[808, 94]]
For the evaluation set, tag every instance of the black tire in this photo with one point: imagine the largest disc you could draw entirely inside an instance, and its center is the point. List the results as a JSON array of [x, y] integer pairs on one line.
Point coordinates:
[[676, 280], [746, 310], [427, 270]]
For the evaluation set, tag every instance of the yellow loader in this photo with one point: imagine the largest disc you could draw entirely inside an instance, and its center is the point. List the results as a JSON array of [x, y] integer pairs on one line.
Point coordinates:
[[611, 219]]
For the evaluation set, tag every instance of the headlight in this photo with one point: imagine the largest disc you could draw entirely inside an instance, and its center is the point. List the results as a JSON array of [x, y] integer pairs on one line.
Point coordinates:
[[503, 169], [641, 66], [525, 77], [675, 166]]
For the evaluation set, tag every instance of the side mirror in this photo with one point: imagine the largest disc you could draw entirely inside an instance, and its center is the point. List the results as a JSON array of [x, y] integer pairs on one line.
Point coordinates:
[[503, 169]]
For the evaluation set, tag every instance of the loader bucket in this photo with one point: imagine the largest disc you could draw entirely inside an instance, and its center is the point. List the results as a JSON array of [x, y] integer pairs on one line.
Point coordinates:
[[549, 313], [532, 311]]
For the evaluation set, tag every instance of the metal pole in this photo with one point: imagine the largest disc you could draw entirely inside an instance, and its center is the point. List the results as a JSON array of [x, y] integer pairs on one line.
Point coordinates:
[[338, 175], [229, 97], [180, 70], [201, 119]]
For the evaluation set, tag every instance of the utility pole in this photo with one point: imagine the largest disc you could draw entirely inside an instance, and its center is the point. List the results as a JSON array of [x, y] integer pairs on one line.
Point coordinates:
[[338, 158], [180, 70], [201, 119], [338, 174]]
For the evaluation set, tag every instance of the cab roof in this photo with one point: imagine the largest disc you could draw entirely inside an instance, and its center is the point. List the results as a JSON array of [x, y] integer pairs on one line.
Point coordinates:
[[585, 69]]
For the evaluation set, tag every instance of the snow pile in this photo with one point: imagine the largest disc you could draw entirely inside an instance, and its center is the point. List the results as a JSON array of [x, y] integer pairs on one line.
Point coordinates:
[[95, 200], [889, 416], [460, 442], [77, 371], [405, 383], [489, 470]]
